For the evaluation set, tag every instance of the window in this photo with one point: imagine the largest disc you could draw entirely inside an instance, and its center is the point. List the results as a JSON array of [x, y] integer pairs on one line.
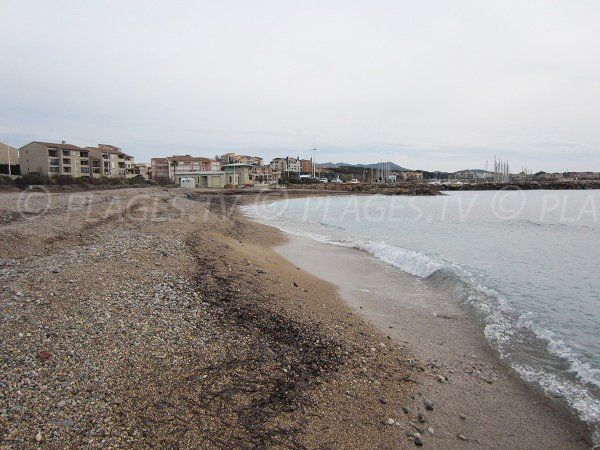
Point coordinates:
[[85, 170], [66, 153], [54, 170], [67, 169], [53, 161], [83, 154], [53, 152], [85, 162], [66, 161]]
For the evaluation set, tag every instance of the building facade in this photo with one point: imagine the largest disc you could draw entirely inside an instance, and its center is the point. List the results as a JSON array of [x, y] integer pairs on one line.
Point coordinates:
[[231, 158], [46, 158], [234, 174], [170, 166], [262, 174], [306, 166]]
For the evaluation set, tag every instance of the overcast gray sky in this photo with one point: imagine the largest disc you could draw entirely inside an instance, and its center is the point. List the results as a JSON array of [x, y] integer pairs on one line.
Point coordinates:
[[427, 84]]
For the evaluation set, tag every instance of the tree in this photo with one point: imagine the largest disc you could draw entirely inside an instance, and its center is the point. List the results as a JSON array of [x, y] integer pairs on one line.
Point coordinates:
[[174, 165]]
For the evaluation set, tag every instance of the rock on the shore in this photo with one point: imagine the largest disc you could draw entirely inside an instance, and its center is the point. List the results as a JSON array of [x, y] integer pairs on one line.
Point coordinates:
[[428, 405], [417, 439]]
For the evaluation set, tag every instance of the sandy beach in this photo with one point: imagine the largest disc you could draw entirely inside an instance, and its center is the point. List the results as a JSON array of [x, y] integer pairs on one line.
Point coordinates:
[[139, 318], [477, 398]]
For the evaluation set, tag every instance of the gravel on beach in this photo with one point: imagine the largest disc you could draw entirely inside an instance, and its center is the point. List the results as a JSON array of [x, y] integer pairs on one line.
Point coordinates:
[[136, 318]]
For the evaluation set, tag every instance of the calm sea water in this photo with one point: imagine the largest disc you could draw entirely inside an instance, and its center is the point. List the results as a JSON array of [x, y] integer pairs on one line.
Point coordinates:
[[525, 265]]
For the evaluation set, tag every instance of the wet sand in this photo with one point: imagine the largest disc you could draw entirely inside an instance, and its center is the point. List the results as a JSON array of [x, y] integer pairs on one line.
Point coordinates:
[[478, 402]]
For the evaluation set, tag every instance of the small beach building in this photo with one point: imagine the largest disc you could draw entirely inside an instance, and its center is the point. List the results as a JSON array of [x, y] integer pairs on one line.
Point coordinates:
[[232, 175]]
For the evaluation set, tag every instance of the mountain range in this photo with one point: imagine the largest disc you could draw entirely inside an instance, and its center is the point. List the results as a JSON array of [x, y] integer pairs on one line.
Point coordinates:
[[391, 165]]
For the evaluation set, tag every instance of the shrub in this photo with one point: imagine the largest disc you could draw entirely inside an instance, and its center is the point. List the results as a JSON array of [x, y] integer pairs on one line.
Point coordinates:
[[5, 180], [31, 179], [61, 180], [138, 179]]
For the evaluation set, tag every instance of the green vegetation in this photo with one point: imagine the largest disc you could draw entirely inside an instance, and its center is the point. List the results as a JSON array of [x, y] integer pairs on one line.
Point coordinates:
[[26, 181]]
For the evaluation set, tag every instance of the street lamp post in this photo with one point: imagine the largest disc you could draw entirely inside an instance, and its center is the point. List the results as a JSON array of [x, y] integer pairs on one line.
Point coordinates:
[[8, 152]]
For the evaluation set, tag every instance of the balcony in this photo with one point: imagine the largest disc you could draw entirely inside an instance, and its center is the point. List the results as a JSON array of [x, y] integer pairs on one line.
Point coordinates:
[[53, 162], [66, 161], [53, 153]]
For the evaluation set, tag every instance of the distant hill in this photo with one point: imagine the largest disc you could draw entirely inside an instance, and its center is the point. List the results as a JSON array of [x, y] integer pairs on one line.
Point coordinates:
[[472, 170], [392, 166]]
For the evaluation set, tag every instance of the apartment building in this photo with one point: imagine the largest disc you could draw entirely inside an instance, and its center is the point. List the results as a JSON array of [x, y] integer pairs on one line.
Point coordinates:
[[142, 169], [170, 166], [293, 165], [278, 165], [306, 166], [46, 158], [115, 163], [231, 158], [414, 175], [262, 174]]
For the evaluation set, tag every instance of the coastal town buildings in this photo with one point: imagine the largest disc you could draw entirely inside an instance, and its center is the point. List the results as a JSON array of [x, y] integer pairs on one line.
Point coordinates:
[[115, 163], [143, 170], [170, 166], [290, 165], [415, 175], [48, 158], [230, 175], [262, 174], [306, 166], [231, 158]]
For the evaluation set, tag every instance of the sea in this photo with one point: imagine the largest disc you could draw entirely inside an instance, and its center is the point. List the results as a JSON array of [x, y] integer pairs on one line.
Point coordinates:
[[525, 265]]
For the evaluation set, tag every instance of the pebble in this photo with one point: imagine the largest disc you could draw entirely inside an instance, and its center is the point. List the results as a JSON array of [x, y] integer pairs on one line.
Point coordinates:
[[382, 400], [391, 421], [422, 418], [430, 430], [463, 417], [405, 409], [39, 437], [461, 437], [428, 405], [417, 439]]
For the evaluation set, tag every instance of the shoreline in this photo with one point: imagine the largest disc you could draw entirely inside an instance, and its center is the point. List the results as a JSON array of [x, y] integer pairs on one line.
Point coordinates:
[[460, 368]]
